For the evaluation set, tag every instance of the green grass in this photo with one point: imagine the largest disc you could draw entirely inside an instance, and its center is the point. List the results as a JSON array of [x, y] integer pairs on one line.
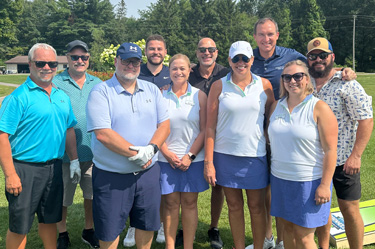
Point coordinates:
[[6, 90], [76, 217], [15, 79]]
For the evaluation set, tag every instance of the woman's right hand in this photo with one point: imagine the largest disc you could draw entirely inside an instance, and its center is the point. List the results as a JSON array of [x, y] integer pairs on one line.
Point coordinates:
[[172, 159], [210, 173]]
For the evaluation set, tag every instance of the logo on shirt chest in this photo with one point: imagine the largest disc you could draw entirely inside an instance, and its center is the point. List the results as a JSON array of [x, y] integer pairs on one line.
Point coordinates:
[[148, 100]]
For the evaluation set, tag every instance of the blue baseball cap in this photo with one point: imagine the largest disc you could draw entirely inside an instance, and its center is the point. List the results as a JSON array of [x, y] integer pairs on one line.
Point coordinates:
[[129, 50]]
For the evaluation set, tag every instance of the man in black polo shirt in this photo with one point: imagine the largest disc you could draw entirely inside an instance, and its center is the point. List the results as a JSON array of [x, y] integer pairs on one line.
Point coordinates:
[[202, 76], [154, 71], [207, 70]]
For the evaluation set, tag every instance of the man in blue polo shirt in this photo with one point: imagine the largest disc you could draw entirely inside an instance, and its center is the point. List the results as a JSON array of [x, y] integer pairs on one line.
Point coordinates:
[[77, 84], [36, 125], [129, 122], [154, 71]]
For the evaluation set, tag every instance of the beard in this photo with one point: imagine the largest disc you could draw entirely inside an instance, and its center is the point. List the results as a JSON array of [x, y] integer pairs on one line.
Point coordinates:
[[320, 74], [149, 60], [126, 77]]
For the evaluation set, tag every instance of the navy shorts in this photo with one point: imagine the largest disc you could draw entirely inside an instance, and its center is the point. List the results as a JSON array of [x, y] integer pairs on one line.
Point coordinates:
[[348, 187], [119, 196], [42, 193]]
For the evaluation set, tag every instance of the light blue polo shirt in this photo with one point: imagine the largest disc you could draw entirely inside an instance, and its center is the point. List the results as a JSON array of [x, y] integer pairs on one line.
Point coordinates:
[[36, 123], [78, 98], [133, 116]]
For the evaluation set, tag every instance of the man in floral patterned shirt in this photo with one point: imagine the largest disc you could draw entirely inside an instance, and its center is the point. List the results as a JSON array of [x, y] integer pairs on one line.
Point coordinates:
[[353, 110]]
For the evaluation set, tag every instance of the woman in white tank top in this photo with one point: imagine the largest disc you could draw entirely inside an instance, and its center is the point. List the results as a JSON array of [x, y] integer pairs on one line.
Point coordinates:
[[235, 145], [303, 138]]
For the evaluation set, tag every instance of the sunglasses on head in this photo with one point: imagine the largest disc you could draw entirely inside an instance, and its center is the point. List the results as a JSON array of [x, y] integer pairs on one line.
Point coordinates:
[[237, 58], [135, 63], [210, 49], [41, 64], [322, 56], [76, 57], [288, 77]]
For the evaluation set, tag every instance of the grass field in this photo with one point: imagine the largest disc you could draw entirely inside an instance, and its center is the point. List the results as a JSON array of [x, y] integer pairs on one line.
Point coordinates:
[[76, 217], [15, 79]]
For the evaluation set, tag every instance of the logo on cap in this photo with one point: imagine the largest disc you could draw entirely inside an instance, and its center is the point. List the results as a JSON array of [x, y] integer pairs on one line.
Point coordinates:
[[133, 49], [316, 43]]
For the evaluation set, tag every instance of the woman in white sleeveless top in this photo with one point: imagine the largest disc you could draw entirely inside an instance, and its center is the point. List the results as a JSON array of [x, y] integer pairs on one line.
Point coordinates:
[[303, 138], [181, 160], [235, 145]]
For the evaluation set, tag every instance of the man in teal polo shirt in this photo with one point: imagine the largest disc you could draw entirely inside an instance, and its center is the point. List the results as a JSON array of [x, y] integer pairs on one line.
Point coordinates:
[[36, 126], [77, 84]]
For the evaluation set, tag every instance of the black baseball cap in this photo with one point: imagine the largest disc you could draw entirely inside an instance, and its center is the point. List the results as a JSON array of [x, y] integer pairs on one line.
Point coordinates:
[[76, 43]]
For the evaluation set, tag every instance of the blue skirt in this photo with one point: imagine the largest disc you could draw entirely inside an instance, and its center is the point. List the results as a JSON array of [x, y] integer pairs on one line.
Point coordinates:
[[294, 202], [241, 172], [175, 180]]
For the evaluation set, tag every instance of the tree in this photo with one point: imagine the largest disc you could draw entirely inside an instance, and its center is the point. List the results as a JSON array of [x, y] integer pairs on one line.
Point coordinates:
[[121, 10], [278, 10], [308, 23]]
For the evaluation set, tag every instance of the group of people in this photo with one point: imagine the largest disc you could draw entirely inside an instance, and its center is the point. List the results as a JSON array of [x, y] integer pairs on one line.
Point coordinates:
[[143, 144]]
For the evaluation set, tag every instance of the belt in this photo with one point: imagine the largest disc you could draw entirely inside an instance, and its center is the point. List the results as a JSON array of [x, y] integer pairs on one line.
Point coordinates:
[[49, 162]]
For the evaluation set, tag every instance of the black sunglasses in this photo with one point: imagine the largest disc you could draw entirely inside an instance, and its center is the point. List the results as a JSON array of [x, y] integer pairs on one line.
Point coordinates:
[[76, 57], [322, 56], [135, 63], [237, 58], [288, 77], [210, 49], [41, 64]]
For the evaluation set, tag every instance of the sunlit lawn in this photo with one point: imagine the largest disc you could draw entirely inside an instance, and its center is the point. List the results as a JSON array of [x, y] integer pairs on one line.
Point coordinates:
[[76, 217]]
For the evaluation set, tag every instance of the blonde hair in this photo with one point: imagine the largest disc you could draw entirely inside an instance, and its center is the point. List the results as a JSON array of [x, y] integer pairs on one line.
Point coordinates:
[[309, 87], [179, 56]]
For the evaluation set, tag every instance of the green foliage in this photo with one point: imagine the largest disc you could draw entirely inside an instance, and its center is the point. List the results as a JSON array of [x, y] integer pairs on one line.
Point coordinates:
[[184, 22], [107, 57]]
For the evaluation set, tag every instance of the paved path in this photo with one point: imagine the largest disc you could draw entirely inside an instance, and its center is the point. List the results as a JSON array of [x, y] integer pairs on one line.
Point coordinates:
[[7, 84]]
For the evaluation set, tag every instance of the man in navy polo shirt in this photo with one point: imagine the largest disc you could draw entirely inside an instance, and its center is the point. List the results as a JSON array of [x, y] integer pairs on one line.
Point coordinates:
[[154, 70], [36, 125], [129, 121]]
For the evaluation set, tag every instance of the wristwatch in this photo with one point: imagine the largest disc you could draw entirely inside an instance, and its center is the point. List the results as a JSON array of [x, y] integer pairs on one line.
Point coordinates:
[[191, 156], [156, 148]]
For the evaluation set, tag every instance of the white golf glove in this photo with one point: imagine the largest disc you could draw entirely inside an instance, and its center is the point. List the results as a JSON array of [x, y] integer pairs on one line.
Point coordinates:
[[75, 171], [145, 154]]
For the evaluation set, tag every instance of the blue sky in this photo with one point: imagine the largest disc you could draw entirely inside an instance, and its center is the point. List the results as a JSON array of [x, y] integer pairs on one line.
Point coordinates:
[[134, 5]]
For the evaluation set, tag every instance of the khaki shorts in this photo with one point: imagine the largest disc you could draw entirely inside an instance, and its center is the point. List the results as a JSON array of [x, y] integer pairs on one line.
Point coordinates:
[[85, 183]]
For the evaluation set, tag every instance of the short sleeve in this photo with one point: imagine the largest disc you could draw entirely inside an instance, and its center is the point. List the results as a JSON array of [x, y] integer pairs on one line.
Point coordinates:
[[10, 114], [97, 110], [72, 121], [161, 107], [358, 103]]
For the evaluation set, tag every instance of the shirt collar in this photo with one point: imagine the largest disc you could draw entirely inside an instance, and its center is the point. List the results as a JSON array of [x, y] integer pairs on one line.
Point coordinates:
[[276, 53], [120, 89], [188, 91], [32, 85], [283, 100]]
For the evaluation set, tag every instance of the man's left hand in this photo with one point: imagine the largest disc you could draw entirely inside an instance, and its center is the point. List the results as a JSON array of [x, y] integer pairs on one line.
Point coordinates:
[[145, 154], [352, 165]]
